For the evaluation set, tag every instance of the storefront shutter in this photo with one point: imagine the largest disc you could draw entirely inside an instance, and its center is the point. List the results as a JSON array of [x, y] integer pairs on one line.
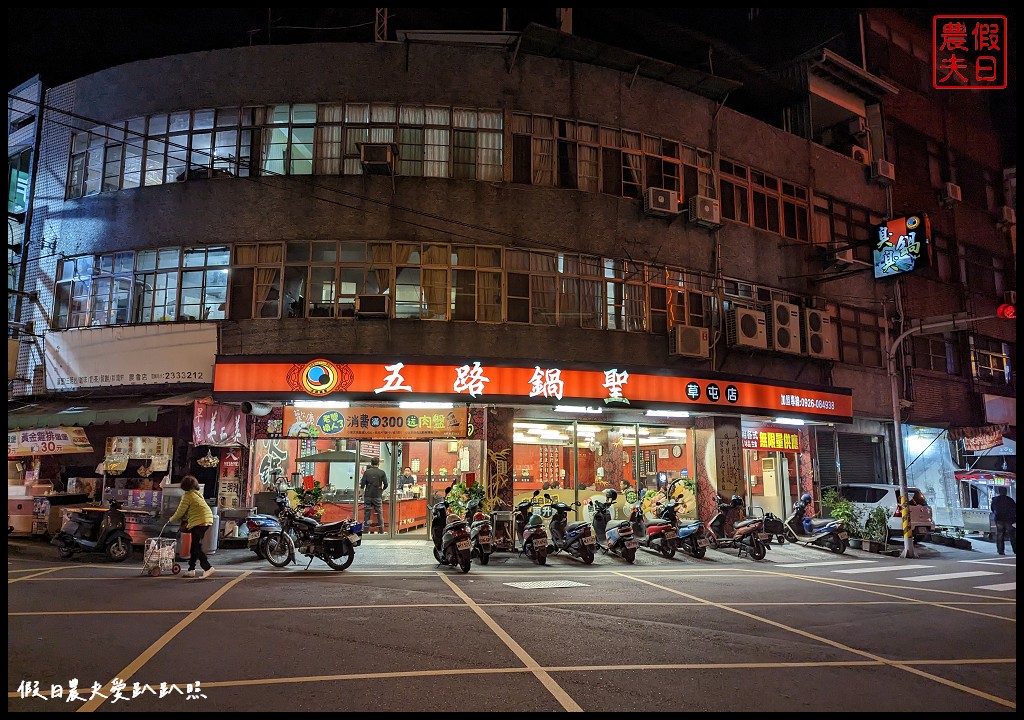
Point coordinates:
[[860, 458]]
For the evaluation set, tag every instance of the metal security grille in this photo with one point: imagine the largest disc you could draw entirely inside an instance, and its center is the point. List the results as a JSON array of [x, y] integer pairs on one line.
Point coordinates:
[[537, 584]]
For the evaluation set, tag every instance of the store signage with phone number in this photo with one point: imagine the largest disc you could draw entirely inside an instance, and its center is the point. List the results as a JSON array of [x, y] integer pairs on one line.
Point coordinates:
[[475, 381]]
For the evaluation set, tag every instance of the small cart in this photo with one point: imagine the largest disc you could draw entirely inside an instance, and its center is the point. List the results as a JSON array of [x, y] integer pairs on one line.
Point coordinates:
[[159, 557]]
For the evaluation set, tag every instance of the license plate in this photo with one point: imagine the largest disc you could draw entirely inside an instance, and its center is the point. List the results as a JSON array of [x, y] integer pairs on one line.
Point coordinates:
[[462, 545], [669, 534], [484, 539], [703, 543], [589, 540], [630, 544], [763, 536], [254, 538], [843, 536], [354, 539]]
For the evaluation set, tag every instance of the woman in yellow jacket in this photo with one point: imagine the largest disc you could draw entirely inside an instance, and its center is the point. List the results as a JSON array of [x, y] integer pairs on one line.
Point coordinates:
[[198, 519]]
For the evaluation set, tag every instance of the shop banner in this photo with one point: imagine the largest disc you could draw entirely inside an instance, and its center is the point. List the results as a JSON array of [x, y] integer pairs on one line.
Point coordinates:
[[983, 441], [378, 423], [771, 439], [218, 425], [138, 447], [47, 441], [476, 382]]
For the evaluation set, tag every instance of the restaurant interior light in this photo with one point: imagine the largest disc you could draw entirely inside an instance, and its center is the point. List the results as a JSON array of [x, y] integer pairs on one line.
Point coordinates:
[[667, 413], [579, 409], [325, 404], [789, 421], [426, 405], [529, 425]]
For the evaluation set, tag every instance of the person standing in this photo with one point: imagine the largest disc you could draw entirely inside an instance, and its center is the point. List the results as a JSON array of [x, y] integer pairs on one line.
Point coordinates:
[[1004, 509], [373, 483], [407, 478], [198, 517]]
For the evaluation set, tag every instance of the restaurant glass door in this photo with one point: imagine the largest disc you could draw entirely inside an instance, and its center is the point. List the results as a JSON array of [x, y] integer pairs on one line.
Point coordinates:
[[405, 502]]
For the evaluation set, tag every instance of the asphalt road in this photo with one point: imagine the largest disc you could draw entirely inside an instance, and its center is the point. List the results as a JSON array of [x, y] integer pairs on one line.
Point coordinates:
[[803, 630]]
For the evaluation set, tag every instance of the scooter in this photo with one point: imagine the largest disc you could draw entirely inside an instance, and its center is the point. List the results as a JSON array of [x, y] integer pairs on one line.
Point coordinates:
[[658, 534], [691, 537], [618, 537], [480, 535], [530, 531], [260, 527], [825, 532], [576, 538], [450, 533], [746, 535], [105, 534]]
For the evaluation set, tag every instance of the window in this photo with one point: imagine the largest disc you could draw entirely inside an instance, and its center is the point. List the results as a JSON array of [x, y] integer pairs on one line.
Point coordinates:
[[256, 281], [860, 337], [18, 168], [990, 360], [733, 191], [936, 353], [663, 167], [983, 273], [795, 212], [845, 225]]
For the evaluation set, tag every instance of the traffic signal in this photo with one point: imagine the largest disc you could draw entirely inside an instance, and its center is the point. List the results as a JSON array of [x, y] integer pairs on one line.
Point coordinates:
[[1007, 311]]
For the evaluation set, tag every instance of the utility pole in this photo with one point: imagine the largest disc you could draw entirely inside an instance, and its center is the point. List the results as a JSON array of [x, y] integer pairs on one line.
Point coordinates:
[[890, 348]]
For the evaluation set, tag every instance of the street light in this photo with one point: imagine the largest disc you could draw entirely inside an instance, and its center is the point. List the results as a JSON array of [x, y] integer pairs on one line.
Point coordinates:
[[890, 348]]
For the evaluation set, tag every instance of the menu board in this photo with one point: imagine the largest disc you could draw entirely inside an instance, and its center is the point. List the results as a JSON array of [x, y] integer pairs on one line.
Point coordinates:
[[138, 447]]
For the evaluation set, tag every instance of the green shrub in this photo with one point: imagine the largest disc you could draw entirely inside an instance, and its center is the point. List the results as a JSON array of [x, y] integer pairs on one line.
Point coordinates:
[[876, 527], [834, 505]]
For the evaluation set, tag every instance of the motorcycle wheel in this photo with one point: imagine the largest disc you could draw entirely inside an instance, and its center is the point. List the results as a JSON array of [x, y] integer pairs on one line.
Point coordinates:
[[696, 550], [838, 546], [485, 558], [668, 549], [119, 550], [465, 561], [64, 552], [277, 549], [540, 555], [781, 539], [587, 555], [438, 557], [757, 550], [346, 558], [629, 555]]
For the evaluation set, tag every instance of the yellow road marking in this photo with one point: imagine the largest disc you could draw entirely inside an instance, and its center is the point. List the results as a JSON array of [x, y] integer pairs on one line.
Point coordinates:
[[11, 581], [546, 680]]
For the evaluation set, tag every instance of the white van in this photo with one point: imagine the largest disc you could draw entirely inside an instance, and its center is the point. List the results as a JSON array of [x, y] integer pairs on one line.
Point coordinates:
[[867, 496]]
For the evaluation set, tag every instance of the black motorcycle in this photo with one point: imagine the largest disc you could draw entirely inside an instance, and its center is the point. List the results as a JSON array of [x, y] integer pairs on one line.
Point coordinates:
[[333, 542], [450, 534], [576, 538], [87, 531], [480, 534]]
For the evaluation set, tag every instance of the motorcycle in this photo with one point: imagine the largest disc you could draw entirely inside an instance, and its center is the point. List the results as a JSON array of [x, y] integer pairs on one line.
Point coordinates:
[[576, 538], [618, 537], [691, 537], [480, 535], [530, 531], [825, 532], [748, 535], [451, 535], [658, 534], [260, 527], [105, 534], [333, 542]]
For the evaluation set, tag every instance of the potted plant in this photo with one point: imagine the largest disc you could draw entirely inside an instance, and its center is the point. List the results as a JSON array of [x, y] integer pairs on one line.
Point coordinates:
[[836, 506], [876, 530], [959, 540]]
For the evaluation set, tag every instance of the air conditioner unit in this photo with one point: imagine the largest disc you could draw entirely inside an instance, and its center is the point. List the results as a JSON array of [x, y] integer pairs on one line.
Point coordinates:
[[1010, 297], [768, 465], [784, 327], [747, 327], [378, 158], [1007, 215], [951, 193], [658, 201], [687, 341], [860, 154], [883, 172], [821, 340], [706, 211], [372, 305], [857, 127]]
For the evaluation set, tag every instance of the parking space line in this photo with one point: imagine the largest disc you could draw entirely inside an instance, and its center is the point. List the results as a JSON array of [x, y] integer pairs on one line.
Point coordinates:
[[888, 568], [823, 563], [546, 680], [998, 588], [11, 581], [946, 576], [135, 665], [838, 645]]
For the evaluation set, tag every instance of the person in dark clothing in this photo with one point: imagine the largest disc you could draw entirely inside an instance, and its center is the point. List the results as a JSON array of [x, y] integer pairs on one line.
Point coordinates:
[[1004, 509], [373, 483]]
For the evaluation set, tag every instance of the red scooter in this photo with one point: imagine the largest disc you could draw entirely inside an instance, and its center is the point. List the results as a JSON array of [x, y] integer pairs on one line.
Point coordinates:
[[658, 534], [747, 536]]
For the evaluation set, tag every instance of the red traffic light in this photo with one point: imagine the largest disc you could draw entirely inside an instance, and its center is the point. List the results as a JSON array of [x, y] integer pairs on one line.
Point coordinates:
[[1007, 311]]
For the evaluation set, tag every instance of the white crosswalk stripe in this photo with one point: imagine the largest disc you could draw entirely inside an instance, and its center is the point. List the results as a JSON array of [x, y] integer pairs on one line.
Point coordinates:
[[889, 568], [822, 564], [998, 588], [947, 576]]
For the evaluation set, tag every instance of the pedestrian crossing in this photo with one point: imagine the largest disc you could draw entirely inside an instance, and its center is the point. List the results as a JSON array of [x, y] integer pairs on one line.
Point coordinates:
[[873, 567]]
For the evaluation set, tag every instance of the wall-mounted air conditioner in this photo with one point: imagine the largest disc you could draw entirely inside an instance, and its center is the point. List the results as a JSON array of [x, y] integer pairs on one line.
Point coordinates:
[[784, 327], [658, 201], [950, 193], [687, 341], [883, 172], [378, 158], [746, 327], [706, 211], [860, 154], [372, 306], [857, 127], [768, 465], [821, 335]]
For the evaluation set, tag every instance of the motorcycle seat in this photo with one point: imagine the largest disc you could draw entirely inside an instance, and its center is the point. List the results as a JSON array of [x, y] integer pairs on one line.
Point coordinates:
[[330, 527], [817, 523], [455, 525], [624, 525], [746, 523], [655, 523], [480, 524], [575, 525]]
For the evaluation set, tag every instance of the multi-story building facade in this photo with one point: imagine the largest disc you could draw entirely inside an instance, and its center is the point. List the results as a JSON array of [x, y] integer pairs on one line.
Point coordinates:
[[603, 273]]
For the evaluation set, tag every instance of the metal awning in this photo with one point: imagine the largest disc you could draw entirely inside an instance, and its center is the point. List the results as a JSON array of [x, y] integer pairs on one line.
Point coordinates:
[[80, 413]]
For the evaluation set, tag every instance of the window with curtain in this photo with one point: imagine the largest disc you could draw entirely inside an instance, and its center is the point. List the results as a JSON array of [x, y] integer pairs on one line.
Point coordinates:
[[662, 161], [330, 135], [542, 161], [517, 286], [591, 287], [489, 284], [436, 141], [937, 353], [990, 360], [264, 262]]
